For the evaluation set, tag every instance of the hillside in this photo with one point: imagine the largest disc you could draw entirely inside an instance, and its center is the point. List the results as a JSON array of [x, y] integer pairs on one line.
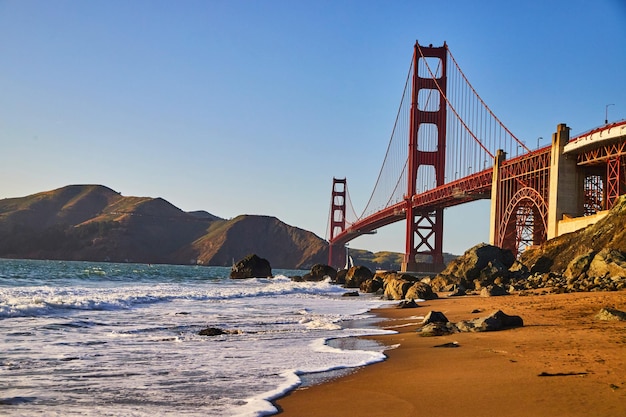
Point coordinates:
[[95, 223], [555, 254], [283, 245], [390, 261]]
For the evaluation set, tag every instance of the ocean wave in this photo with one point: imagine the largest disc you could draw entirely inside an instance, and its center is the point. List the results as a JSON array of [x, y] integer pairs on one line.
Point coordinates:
[[44, 300]]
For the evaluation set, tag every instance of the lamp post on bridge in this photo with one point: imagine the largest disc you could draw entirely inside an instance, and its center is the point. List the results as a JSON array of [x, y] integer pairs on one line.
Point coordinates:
[[538, 139], [606, 113]]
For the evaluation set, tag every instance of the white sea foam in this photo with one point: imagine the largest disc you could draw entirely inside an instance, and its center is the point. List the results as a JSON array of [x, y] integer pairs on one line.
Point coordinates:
[[123, 340], [45, 300]]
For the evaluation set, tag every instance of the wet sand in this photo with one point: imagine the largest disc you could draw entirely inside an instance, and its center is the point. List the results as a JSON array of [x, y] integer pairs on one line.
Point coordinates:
[[563, 362]]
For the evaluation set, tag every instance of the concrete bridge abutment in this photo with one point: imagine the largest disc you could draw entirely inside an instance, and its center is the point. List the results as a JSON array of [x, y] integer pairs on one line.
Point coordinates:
[[566, 192]]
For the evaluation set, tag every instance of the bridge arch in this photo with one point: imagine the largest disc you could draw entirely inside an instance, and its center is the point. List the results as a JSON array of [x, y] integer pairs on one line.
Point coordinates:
[[524, 222]]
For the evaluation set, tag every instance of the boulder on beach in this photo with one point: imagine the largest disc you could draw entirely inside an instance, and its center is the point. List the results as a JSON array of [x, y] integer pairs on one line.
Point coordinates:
[[437, 329], [435, 317], [252, 266], [396, 287], [407, 304], [421, 291], [495, 321], [372, 285], [611, 314], [435, 323], [493, 291], [356, 276], [478, 267]]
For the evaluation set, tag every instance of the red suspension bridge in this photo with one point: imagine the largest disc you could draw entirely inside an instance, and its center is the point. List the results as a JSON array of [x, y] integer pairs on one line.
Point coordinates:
[[447, 148]]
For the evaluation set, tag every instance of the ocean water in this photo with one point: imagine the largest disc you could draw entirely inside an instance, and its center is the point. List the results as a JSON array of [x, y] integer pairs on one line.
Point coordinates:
[[103, 339]]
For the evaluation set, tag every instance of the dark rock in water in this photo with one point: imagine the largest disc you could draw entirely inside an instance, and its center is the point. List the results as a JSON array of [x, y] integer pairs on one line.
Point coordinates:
[[321, 271], [435, 317], [610, 314], [350, 294], [407, 304], [493, 291], [297, 278], [251, 266], [357, 275], [308, 277], [211, 331], [496, 321], [341, 277]]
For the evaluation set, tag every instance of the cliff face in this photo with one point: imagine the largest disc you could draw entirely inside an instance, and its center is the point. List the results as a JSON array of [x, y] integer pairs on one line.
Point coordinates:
[[95, 223], [555, 254]]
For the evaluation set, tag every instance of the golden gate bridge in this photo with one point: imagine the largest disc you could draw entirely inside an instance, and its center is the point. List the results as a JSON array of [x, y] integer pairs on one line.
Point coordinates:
[[448, 148]]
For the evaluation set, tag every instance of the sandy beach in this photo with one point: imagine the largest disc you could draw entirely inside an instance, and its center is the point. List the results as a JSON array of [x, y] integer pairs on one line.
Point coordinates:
[[562, 362]]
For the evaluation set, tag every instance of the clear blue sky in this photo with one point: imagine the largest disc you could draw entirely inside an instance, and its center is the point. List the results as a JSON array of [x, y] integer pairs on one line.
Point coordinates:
[[251, 107]]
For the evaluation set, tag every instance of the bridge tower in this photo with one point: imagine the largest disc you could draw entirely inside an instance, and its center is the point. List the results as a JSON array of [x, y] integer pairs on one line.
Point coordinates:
[[337, 253], [424, 229]]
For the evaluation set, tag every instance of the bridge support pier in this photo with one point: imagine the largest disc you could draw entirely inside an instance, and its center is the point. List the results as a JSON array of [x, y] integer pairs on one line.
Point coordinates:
[[495, 197], [337, 253], [424, 229], [565, 193]]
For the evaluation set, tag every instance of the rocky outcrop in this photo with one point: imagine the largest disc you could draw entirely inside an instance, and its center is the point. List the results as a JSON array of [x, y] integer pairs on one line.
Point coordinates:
[[420, 291], [478, 267], [396, 287], [555, 255], [252, 266], [372, 285], [493, 291], [590, 271], [356, 276], [608, 262], [579, 266]]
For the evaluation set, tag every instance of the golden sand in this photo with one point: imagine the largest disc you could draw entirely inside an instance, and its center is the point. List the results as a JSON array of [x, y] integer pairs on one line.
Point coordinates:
[[563, 362]]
